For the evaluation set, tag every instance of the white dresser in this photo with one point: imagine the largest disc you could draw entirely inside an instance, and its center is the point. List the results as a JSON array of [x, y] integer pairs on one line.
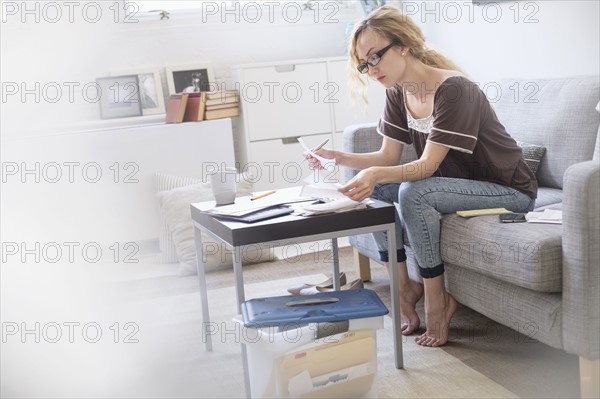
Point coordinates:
[[284, 100]]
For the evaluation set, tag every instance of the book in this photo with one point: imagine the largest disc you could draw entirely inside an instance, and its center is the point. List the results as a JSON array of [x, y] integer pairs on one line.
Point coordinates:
[[482, 212], [222, 100], [222, 113], [221, 106], [176, 107], [215, 94], [222, 97], [195, 107]]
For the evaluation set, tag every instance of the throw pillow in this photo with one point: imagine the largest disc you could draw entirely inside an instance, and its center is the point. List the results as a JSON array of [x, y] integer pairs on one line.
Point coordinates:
[[166, 182], [179, 234], [533, 155]]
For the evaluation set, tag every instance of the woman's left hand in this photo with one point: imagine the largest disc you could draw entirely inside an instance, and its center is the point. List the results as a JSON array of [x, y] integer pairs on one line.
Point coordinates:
[[361, 186]]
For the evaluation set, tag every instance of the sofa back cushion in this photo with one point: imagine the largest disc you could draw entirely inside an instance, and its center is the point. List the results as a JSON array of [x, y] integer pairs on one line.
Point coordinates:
[[558, 114]]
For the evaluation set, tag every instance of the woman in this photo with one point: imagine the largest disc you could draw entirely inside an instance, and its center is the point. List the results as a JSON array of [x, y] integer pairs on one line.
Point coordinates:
[[466, 158]]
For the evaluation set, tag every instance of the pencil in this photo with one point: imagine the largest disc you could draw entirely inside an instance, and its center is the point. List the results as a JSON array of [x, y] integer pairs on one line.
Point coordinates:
[[263, 195]]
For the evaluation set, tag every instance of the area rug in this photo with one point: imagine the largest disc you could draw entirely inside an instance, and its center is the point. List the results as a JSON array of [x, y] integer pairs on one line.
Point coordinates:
[[178, 366]]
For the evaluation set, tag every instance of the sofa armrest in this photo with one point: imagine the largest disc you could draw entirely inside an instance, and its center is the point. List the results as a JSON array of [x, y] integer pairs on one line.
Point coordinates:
[[358, 139], [581, 259]]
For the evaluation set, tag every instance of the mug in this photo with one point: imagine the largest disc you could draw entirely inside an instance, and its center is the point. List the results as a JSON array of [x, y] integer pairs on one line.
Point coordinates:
[[223, 183]]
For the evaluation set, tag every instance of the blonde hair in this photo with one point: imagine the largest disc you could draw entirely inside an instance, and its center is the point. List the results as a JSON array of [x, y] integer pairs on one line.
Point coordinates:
[[391, 23]]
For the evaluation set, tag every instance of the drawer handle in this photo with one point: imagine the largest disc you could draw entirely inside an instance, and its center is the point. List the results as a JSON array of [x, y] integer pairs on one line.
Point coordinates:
[[289, 140], [285, 68]]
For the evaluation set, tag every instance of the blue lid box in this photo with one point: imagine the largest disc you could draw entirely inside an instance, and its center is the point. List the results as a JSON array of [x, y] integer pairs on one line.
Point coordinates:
[[323, 307]]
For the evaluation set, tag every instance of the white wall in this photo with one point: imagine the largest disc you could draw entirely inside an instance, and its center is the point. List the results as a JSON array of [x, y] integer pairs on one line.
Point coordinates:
[[527, 39]]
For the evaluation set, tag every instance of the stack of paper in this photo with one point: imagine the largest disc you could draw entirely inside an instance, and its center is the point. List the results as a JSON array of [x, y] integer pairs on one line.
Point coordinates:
[[332, 200], [338, 205], [548, 216]]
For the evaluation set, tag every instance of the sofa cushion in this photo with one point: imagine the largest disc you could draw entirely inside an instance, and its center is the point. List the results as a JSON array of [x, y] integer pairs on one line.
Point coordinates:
[[548, 196], [528, 255], [558, 114]]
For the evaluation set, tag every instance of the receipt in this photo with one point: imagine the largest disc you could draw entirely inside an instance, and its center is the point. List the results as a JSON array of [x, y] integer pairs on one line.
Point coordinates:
[[328, 164]]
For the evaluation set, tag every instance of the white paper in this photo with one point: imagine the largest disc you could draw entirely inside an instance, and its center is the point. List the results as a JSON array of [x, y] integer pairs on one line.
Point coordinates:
[[328, 164], [551, 216], [320, 190], [337, 206]]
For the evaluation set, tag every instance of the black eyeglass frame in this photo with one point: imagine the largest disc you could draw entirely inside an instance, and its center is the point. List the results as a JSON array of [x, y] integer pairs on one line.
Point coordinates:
[[364, 67]]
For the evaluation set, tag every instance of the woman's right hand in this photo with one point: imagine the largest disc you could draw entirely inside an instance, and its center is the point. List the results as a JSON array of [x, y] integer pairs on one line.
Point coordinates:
[[323, 153]]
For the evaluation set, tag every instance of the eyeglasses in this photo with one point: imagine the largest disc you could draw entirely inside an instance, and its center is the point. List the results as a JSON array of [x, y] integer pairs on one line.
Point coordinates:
[[373, 59]]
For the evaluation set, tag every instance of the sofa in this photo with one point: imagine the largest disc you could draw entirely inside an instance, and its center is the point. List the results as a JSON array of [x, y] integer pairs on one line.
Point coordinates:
[[540, 279]]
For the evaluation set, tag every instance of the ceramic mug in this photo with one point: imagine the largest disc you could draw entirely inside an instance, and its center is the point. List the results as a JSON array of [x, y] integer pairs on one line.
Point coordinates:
[[223, 183]]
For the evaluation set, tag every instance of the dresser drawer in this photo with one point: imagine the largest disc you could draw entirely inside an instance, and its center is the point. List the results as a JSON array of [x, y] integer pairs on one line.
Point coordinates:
[[285, 100]]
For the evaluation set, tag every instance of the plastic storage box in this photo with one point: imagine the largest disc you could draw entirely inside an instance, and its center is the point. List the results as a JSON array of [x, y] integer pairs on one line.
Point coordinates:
[[323, 345]]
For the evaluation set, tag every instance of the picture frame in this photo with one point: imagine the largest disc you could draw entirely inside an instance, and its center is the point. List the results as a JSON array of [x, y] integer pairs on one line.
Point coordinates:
[[119, 96], [190, 78], [151, 90], [370, 5]]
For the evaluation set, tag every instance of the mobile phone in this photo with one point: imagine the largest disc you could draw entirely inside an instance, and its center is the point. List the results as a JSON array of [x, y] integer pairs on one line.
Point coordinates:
[[512, 217]]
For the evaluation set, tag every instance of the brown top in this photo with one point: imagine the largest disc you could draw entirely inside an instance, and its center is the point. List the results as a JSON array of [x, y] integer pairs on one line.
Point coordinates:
[[464, 121]]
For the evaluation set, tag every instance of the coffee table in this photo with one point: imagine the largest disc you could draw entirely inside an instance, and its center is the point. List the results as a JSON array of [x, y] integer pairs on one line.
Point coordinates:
[[293, 229]]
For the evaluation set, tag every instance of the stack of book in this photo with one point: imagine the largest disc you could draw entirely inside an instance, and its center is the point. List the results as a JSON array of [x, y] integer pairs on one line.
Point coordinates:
[[192, 107], [222, 104]]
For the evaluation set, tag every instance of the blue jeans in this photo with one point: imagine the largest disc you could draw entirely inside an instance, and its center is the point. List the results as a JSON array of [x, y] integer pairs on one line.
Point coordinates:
[[420, 203]]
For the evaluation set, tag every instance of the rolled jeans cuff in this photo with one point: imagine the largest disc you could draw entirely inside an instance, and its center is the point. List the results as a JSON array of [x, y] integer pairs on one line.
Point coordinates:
[[431, 272], [400, 255]]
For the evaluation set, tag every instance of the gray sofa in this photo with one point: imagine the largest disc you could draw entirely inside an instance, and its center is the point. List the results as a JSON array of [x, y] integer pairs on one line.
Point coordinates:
[[541, 279]]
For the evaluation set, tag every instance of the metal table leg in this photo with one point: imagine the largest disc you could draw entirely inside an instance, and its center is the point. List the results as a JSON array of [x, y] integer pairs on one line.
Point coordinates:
[[241, 297], [395, 292], [336, 264], [201, 266]]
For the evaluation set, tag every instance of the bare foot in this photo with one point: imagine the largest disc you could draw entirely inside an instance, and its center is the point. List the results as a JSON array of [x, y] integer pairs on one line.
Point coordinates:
[[438, 314], [409, 296]]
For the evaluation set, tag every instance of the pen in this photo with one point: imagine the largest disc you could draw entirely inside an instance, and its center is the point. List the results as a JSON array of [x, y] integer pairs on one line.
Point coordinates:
[[318, 147], [263, 195]]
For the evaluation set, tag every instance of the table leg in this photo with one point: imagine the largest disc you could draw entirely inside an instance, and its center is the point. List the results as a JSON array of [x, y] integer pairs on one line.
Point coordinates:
[[395, 292], [239, 278], [241, 297], [200, 265], [336, 264]]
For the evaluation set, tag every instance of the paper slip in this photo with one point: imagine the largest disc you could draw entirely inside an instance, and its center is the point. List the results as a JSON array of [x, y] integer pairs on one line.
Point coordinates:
[[327, 164], [334, 201], [324, 191], [335, 206], [551, 216]]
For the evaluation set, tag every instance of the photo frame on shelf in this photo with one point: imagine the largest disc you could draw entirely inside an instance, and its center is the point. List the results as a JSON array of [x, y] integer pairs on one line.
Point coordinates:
[[151, 90], [119, 96], [190, 78], [370, 5]]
